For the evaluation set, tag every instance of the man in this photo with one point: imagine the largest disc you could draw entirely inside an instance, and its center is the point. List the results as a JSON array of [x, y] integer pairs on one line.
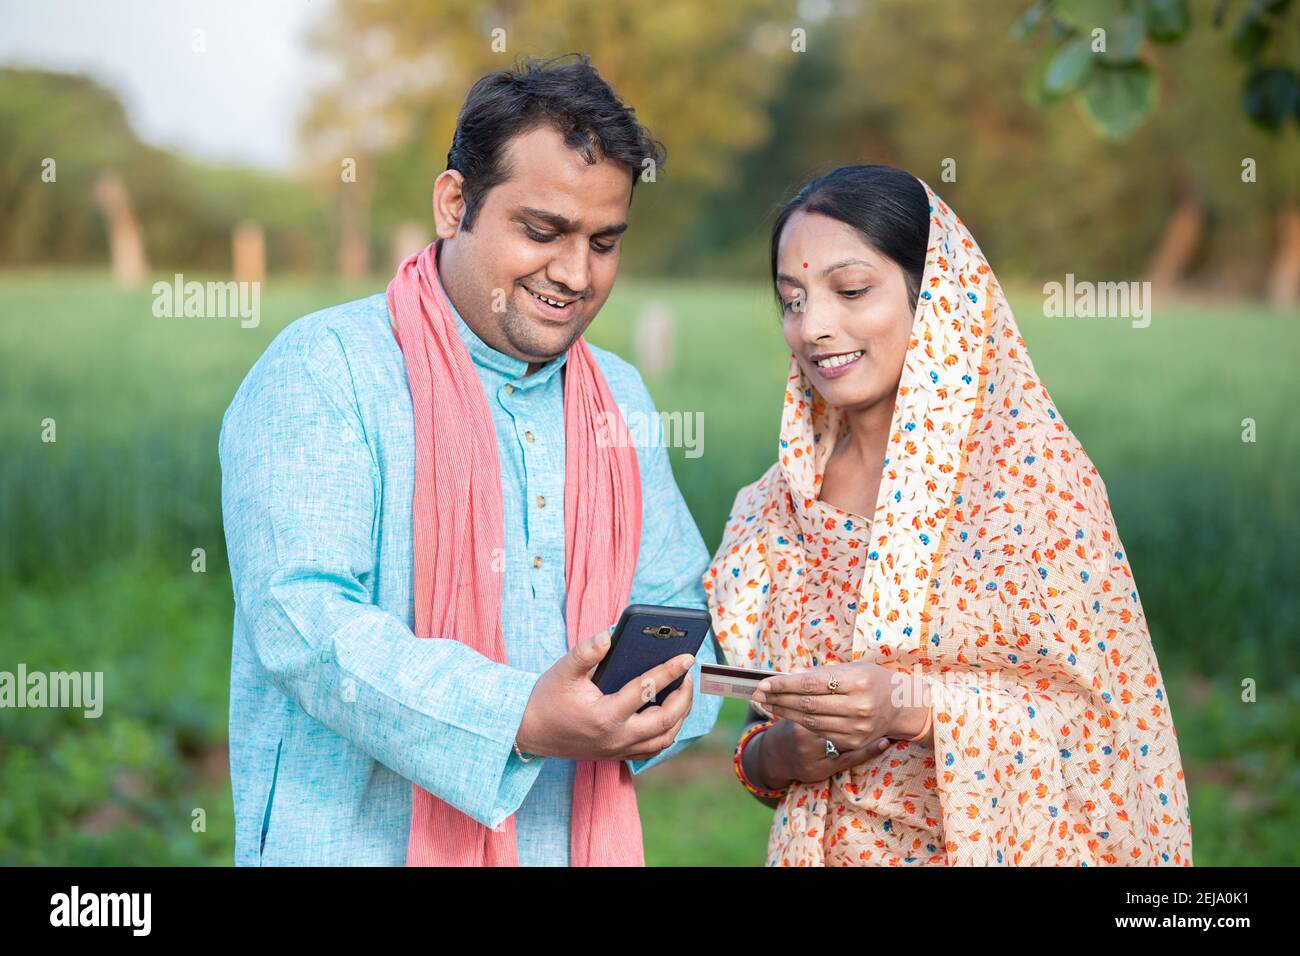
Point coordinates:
[[354, 737]]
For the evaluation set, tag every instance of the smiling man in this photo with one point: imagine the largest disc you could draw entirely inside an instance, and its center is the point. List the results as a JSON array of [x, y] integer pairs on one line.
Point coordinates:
[[432, 523]]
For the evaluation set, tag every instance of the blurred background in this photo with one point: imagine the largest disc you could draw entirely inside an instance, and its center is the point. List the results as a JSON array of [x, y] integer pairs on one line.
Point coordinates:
[[295, 144]]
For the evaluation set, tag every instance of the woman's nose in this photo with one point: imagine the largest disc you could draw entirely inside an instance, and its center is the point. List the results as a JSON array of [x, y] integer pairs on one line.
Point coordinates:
[[814, 325]]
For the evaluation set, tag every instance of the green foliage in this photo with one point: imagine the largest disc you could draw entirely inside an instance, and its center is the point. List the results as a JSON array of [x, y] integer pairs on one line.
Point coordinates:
[[1118, 101], [1068, 66], [1265, 38], [186, 210], [37, 112], [120, 788], [1166, 20], [1272, 96], [1098, 54]]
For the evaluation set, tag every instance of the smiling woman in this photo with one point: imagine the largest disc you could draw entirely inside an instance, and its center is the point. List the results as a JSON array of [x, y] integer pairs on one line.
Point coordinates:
[[932, 560], [848, 253]]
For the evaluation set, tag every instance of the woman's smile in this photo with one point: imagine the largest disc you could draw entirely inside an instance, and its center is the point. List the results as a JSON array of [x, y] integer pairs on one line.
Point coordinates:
[[835, 364]]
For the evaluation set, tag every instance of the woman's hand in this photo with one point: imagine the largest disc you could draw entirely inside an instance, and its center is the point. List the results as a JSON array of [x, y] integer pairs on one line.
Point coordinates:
[[869, 702], [789, 753]]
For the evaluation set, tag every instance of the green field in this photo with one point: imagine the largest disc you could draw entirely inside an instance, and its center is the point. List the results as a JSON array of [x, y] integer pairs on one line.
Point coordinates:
[[97, 530]]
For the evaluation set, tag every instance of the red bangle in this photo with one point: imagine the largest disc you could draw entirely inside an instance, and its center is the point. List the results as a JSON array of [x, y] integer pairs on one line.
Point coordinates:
[[753, 731]]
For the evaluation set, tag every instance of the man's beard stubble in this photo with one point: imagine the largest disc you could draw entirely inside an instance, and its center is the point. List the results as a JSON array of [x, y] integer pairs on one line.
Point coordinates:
[[520, 332]]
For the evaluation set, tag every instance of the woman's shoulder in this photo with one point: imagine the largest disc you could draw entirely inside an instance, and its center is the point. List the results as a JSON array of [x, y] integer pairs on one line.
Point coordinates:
[[744, 521], [752, 498], [735, 581]]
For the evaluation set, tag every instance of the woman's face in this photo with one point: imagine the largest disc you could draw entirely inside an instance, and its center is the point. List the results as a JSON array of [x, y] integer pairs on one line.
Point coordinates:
[[846, 313]]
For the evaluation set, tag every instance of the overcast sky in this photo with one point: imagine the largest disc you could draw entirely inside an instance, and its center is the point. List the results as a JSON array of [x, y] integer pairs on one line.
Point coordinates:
[[238, 101]]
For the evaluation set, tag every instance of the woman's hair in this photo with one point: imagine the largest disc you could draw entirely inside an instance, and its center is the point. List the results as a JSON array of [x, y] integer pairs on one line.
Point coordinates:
[[887, 206]]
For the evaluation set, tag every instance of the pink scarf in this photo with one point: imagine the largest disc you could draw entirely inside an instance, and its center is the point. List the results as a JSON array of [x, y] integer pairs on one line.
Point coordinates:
[[458, 537]]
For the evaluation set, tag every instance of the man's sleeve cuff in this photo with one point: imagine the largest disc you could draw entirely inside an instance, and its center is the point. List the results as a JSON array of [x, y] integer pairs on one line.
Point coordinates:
[[518, 775]]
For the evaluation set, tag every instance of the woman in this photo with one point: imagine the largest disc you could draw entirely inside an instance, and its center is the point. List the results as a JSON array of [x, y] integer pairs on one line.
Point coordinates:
[[931, 565]]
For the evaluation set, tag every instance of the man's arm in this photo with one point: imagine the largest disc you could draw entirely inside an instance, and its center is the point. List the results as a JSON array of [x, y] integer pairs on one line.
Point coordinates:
[[300, 488], [670, 569]]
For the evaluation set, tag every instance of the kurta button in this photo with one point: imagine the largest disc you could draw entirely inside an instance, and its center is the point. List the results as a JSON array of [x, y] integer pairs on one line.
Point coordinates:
[[537, 561], [541, 501], [510, 389], [528, 436]]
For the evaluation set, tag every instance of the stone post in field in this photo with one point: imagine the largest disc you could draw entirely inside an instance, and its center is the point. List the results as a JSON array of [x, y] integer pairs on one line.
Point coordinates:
[[125, 238], [248, 252], [654, 339]]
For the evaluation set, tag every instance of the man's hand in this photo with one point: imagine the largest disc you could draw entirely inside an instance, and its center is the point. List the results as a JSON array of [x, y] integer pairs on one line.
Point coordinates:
[[568, 716]]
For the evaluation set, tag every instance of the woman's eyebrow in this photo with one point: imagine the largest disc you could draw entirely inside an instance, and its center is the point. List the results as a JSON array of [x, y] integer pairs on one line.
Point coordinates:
[[845, 262], [782, 277]]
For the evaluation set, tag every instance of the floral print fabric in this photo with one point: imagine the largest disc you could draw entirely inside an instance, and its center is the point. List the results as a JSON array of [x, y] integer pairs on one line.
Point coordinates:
[[993, 570]]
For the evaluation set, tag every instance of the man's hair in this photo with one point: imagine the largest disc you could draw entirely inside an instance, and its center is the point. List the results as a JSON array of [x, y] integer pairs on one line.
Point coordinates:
[[571, 97]]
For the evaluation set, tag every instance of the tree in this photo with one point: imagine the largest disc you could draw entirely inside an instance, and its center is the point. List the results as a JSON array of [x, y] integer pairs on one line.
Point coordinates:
[[1104, 53], [406, 67]]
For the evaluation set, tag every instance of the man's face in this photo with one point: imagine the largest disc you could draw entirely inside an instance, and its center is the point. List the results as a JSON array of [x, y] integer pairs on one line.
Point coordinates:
[[552, 230]]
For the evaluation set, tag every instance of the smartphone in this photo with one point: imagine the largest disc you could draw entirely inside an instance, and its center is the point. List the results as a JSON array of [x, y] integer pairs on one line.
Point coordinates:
[[646, 636]]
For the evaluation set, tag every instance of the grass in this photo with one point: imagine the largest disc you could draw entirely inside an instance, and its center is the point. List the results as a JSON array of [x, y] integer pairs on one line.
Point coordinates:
[[98, 530]]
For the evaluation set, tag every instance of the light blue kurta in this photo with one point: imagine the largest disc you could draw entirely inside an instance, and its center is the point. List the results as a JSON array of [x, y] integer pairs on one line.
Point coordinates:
[[335, 705]]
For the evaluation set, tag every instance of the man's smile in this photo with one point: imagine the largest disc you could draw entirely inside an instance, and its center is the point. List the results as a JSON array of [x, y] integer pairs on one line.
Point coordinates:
[[552, 308]]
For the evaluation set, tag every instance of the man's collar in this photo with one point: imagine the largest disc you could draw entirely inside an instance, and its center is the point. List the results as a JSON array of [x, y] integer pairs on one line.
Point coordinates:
[[486, 356]]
